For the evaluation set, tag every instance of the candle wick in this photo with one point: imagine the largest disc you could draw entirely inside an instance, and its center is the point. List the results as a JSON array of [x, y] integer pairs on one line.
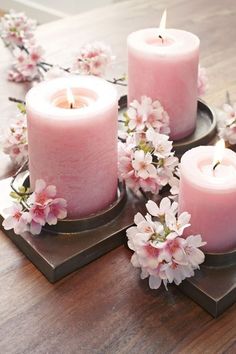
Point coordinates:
[[215, 165], [162, 39]]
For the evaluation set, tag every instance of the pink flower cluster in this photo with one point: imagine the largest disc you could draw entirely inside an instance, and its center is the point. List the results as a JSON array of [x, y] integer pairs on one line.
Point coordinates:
[[17, 31], [159, 250], [16, 28], [143, 115], [146, 160], [26, 64], [202, 84], [16, 144], [227, 123], [147, 163], [42, 207], [93, 59]]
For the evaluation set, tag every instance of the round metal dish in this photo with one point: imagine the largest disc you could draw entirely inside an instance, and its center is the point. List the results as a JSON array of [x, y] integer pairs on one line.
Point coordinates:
[[225, 259]]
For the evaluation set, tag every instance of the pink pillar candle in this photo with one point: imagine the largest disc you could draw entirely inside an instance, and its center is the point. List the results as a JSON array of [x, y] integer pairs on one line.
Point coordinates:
[[75, 148], [166, 70], [210, 197]]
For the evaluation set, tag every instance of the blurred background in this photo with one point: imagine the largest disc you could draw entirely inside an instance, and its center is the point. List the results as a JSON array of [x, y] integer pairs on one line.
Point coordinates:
[[48, 10]]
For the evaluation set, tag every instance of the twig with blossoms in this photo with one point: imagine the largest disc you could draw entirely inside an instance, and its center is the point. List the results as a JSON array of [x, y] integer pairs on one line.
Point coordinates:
[[17, 32], [16, 143], [31, 211], [159, 250], [146, 161], [226, 121]]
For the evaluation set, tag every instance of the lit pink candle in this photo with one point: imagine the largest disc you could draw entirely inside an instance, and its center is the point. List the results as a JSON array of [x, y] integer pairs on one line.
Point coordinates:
[[209, 195], [73, 140], [163, 64]]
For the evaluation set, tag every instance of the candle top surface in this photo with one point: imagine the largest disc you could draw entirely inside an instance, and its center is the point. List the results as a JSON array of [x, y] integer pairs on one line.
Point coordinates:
[[91, 95], [172, 41], [197, 165]]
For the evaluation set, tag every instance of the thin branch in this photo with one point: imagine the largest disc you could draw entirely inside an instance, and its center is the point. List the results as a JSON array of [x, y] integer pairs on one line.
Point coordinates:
[[143, 193], [118, 82], [14, 178], [16, 100], [52, 65], [228, 100]]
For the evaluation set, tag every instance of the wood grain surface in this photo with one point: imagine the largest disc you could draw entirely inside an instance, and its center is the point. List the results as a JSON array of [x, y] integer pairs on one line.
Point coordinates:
[[105, 307]]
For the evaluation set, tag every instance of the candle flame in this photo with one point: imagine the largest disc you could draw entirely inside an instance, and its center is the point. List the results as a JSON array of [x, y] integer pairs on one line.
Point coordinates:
[[219, 153], [70, 97], [162, 25]]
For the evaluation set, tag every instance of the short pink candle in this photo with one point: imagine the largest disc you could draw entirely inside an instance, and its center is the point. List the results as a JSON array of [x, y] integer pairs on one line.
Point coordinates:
[[166, 70], [210, 197], [73, 145]]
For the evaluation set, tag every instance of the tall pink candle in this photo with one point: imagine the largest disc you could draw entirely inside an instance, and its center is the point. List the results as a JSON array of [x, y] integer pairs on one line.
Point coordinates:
[[166, 70], [75, 149], [210, 197]]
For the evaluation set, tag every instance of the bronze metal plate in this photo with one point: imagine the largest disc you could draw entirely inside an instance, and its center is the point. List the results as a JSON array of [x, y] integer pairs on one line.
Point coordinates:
[[213, 288], [57, 254], [204, 133]]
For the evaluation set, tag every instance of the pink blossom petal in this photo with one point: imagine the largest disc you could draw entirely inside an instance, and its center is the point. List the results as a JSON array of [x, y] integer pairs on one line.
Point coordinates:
[[152, 208], [154, 282], [35, 228]]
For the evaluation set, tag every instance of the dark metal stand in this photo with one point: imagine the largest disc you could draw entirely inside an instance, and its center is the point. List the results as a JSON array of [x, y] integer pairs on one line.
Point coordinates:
[[60, 250], [214, 285], [67, 246]]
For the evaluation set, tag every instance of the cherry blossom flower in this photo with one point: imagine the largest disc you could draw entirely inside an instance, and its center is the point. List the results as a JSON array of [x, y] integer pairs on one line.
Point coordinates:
[[174, 184], [161, 143], [15, 143], [159, 250], [57, 210], [16, 219], [227, 123], [193, 254], [93, 59], [25, 67], [39, 213], [143, 165], [35, 228], [178, 224], [15, 28], [143, 115], [33, 212], [43, 194], [202, 84], [164, 207]]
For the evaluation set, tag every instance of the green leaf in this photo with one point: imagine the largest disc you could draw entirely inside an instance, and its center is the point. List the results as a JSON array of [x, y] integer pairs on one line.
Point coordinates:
[[21, 108]]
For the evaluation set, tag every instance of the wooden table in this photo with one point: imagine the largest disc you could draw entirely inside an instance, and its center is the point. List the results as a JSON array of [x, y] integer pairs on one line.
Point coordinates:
[[105, 307]]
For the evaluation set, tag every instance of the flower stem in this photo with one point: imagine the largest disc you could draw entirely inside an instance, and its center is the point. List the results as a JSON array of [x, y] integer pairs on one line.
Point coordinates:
[[68, 70], [21, 168], [118, 81], [143, 194], [228, 100]]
